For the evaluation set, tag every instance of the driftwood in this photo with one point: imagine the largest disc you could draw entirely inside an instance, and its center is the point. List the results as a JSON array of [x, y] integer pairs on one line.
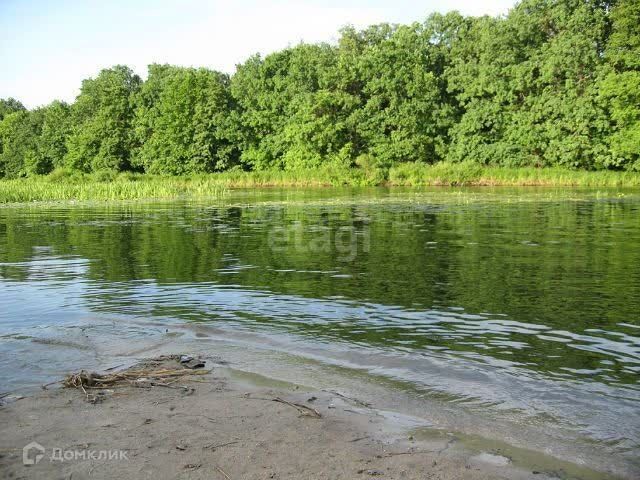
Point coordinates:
[[145, 378]]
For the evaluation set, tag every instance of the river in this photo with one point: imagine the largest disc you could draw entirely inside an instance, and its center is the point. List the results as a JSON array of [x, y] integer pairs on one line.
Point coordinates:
[[512, 311]]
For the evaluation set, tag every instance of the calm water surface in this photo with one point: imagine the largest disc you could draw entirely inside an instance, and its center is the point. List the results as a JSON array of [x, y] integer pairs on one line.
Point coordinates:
[[518, 304]]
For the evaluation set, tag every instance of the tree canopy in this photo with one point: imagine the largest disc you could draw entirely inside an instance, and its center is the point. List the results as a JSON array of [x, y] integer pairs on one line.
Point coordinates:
[[553, 83]]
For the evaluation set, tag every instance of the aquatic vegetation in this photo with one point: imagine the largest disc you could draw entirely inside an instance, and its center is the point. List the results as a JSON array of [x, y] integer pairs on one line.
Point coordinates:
[[108, 187], [469, 173]]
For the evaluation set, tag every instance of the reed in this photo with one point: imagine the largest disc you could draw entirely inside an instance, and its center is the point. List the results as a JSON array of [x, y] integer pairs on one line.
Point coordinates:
[[119, 187], [104, 186], [472, 174]]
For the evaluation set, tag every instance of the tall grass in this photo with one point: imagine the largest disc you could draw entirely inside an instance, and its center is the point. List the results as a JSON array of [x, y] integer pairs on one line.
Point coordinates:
[[422, 174], [473, 174], [62, 185], [114, 187], [326, 176]]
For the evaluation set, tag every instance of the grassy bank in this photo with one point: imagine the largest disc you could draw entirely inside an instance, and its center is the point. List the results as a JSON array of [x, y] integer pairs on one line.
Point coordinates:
[[472, 174], [120, 187], [134, 186]]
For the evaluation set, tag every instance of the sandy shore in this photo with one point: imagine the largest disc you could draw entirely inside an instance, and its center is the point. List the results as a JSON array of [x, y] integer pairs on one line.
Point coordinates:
[[228, 425]]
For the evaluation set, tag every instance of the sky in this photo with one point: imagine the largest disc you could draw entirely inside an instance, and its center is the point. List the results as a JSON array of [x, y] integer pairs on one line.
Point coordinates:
[[48, 47]]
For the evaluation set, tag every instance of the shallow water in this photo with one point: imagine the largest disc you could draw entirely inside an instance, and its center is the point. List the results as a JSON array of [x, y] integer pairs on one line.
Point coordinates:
[[521, 305]]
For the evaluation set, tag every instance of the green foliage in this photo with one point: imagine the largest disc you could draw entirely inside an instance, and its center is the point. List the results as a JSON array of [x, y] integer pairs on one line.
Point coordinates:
[[102, 135], [405, 114], [56, 128], [555, 83], [621, 91], [620, 87], [180, 121], [9, 105], [290, 113], [19, 133], [527, 85], [624, 42], [34, 141]]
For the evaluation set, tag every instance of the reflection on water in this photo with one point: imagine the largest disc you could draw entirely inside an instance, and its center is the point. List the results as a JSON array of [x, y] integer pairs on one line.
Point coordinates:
[[511, 303]]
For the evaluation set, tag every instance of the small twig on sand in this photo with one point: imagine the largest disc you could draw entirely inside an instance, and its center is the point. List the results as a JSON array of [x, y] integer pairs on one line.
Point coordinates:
[[395, 454], [113, 368], [90, 399], [223, 472], [211, 446], [303, 409], [168, 385], [194, 415], [355, 400], [44, 387]]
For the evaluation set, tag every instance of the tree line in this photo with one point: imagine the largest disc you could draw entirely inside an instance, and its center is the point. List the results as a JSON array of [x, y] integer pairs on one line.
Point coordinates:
[[552, 83]]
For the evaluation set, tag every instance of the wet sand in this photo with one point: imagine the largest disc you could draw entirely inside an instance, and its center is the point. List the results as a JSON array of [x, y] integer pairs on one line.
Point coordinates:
[[228, 425]]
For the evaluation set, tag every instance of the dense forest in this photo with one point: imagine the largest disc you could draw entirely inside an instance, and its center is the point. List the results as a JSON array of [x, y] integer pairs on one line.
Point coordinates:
[[553, 83]]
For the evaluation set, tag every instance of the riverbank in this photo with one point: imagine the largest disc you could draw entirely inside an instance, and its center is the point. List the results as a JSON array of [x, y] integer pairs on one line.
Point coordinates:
[[229, 425], [127, 186]]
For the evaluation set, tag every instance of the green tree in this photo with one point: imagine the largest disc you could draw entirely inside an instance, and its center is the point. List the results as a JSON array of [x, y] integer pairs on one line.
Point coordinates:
[[527, 85], [406, 113], [181, 120], [318, 127], [620, 86], [282, 103], [102, 134], [9, 105], [19, 132], [56, 129]]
